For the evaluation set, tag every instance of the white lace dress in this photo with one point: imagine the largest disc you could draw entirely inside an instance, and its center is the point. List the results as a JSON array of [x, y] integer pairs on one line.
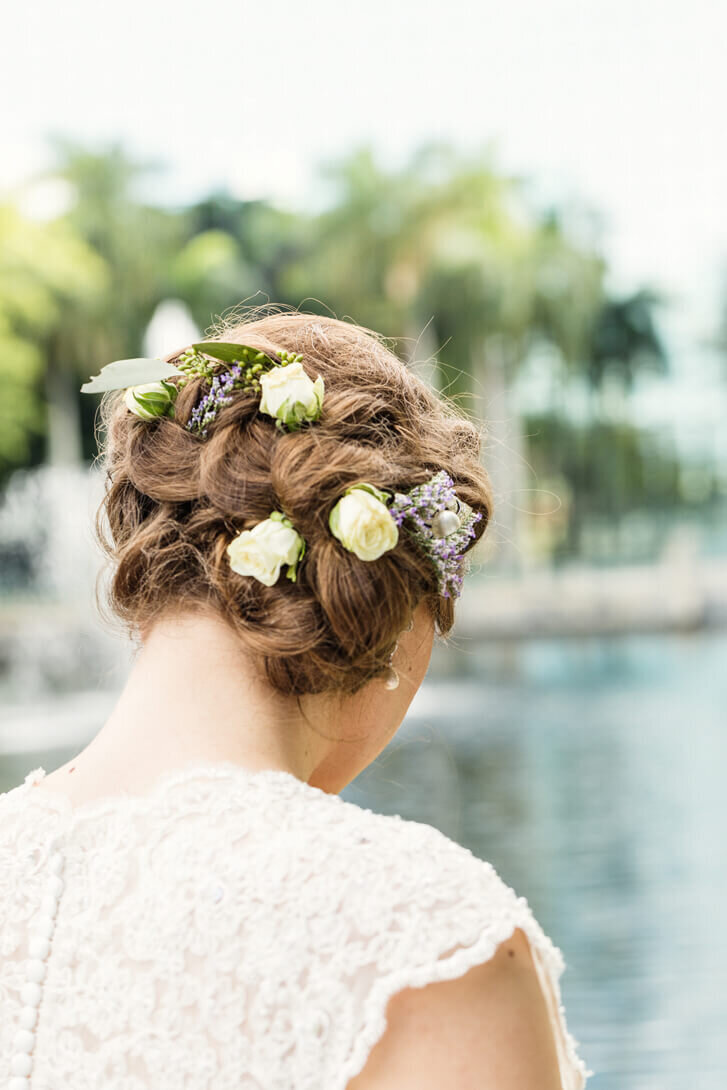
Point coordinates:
[[230, 929]]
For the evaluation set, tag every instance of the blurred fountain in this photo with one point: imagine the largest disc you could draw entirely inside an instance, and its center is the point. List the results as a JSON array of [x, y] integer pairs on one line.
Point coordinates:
[[57, 658], [171, 327], [61, 665], [46, 537], [53, 643]]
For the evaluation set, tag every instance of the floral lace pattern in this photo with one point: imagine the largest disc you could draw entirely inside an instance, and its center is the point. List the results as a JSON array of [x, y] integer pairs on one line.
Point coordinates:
[[237, 930]]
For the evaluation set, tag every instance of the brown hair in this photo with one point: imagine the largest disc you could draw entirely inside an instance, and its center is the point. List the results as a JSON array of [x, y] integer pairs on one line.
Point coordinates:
[[174, 501]]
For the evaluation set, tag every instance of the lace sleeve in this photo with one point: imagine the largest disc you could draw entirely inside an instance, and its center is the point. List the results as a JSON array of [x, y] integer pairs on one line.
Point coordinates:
[[441, 911]]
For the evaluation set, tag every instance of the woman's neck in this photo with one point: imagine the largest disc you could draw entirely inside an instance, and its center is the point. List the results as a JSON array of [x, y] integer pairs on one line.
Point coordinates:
[[193, 696]]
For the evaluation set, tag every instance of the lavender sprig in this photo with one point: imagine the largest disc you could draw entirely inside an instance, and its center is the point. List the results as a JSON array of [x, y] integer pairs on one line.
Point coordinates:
[[420, 505], [220, 393]]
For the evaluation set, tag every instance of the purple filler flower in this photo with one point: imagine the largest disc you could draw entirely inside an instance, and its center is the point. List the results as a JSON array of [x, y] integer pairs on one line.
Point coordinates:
[[219, 394], [420, 506]]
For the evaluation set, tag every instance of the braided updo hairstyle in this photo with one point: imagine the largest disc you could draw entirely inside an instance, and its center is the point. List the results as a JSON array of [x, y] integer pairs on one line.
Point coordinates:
[[173, 501]]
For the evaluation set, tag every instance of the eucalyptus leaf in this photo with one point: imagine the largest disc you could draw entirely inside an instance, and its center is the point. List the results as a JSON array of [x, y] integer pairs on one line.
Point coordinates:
[[229, 352], [121, 374]]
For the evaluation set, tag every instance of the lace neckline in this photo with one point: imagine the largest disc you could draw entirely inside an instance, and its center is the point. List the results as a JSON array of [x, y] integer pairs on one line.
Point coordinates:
[[136, 802]]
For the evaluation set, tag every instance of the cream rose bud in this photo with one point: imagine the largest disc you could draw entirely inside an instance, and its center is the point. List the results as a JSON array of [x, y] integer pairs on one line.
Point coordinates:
[[154, 400], [261, 551], [290, 395], [363, 524]]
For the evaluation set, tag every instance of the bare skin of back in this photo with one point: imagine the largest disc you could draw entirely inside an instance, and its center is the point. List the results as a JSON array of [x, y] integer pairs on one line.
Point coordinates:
[[486, 1030]]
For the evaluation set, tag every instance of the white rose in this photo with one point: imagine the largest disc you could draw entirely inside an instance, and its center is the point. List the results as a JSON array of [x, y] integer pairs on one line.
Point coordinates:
[[261, 551], [290, 395], [363, 524], [156, 399]]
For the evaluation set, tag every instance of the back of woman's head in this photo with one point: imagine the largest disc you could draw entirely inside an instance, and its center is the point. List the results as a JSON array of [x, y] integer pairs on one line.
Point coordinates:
[[174, 501]]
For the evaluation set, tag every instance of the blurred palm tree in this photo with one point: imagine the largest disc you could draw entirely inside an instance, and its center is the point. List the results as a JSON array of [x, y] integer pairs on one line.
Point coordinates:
[[625, 341], [134, 242], [235, 249], [46, 273]]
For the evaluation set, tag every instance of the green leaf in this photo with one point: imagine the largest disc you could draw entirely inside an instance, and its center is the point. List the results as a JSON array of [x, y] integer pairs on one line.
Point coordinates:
[[121, 374], [384, 497], [153, 404], [171, 388], [294, 414], [293, 568], [231, 353]]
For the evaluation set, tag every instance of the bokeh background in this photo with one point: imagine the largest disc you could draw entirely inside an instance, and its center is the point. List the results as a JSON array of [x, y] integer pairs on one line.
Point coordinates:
[[530, 199]]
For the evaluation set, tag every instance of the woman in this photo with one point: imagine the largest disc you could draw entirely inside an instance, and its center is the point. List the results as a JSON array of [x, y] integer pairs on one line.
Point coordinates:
[[188, 902]]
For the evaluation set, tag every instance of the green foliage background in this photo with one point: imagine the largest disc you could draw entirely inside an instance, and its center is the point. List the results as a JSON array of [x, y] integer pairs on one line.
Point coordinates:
[[447, 255]]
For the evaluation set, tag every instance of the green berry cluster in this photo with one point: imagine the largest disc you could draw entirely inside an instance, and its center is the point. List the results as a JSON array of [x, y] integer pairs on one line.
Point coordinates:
[[194, 365], [195, 362]]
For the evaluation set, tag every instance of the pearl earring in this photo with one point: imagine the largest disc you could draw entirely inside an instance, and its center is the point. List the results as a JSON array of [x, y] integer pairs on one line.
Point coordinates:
[[391, 678]]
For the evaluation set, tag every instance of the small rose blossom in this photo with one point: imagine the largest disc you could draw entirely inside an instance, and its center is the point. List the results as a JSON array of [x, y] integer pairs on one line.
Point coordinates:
[[290, 395], [262, 551], [363, 524]]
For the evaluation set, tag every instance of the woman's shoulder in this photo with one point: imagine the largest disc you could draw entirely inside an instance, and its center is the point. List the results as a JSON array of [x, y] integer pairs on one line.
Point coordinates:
[[418, 907], [442, 908], [13, 798], [413, 857]]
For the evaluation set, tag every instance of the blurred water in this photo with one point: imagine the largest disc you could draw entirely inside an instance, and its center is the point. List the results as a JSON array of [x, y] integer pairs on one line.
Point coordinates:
[[591, 774], [595, 783]]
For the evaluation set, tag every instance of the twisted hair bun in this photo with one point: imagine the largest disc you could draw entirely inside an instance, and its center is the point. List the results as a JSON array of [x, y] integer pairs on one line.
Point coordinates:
[[174, 501]]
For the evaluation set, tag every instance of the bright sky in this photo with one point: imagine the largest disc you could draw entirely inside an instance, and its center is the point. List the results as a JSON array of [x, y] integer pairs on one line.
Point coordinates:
[[620, 104]]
